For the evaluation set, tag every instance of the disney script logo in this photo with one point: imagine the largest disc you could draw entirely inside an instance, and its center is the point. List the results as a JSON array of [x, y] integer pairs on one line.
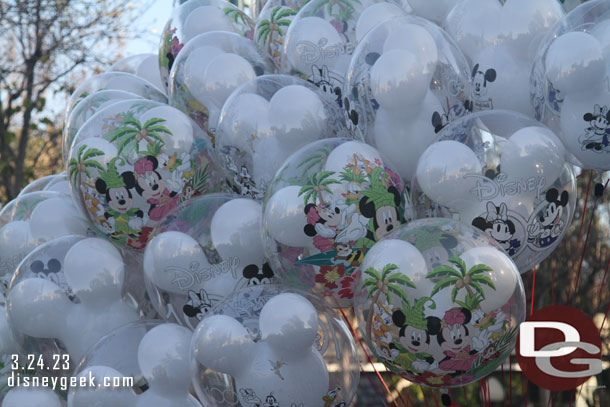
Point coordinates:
[[488, 189], [310, 52], [196, 274]]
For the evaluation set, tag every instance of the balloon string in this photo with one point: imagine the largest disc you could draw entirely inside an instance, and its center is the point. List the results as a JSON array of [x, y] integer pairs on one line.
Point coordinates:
[[533, 290], [434, 397], [601, 286], [510, 379], [582, 257], [553, 284], [424, 394], [550, 401], [369, 358], [582, 216], [408, 402]]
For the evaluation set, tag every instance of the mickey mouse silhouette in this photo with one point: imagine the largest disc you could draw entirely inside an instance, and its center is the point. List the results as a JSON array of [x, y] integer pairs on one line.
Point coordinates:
[[596, 137], [256, 276], [49, 272], [164, 360], [480, 80], [42, 309], [321, 78], [288, 324]]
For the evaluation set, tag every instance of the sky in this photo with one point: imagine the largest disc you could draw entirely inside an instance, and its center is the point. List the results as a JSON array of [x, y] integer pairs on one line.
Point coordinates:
[[152, 22]]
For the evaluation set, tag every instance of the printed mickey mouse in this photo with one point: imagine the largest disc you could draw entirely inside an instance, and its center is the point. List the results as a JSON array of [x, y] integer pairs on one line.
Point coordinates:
[[597, 136], [256, 276], [49, 272], [321, 78], [549, 224], [123, 219], [415, 331], [480, 80]]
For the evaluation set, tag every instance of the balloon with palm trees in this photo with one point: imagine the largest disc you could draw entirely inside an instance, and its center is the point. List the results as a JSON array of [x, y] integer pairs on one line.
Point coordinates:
[[441, 325], [133, 162]]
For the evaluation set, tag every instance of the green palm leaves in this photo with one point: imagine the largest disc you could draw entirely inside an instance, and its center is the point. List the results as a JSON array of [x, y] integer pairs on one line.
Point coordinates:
[[386, 284], [83, 162], [459, 278], [274, 24], [318, 183], [129, 135]]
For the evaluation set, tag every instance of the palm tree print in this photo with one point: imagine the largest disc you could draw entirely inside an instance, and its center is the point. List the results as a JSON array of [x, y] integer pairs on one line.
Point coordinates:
[[81, 165], [129, 135], [462, 278], [277, 20], [383, 285], [315, 159], [346, 8], [318, 183], [236, 15]]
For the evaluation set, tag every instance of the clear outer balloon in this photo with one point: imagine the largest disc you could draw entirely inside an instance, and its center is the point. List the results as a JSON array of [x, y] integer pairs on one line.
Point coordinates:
[[320, 41], [272, 24], [42, 307], [500, 41], [264, 122], [59, 184], [568, 91], [435, 11], [116, 81], [275, 346], [31, 220], [505, 174], [143, 65], [31, 397], [452, 307], [327, 205], [86, 108], [196, 17], [148, 363], [209, 68], [37, 185], [133, 162], [203, 252], [406, 81]]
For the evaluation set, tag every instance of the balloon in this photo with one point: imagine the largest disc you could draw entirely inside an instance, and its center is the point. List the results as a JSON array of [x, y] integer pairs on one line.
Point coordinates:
[[195, 17], [327, 205], [133, 162], [375, 14], [567, 85], [264, 122], [31, 397], [435, 11], [145, 66], [406, 81], [501, 41], [38, 184], [122, 81], [153, 357], [201, 253], [44, 308], [441, 303], [505, 174], [209, 68], [271, 26], [270, 345]]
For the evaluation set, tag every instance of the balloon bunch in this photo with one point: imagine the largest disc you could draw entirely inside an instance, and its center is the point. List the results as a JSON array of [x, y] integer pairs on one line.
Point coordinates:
[[220, 203]]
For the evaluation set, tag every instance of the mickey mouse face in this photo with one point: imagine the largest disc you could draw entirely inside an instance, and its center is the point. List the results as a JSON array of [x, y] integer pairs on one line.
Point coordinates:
[[53, 266], [480, 80], [436, 256], [416, 340], [553, 212], [255, 276], [386, 219], [119, 199], [150, 185]]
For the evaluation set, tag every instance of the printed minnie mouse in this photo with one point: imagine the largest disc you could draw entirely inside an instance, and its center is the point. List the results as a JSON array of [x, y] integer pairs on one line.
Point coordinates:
[[152, 187], [597, 135], [548, 226], [497, 225], [455, 340]]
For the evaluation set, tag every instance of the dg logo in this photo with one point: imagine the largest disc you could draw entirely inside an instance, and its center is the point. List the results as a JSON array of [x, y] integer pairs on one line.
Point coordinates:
[[559, 348]]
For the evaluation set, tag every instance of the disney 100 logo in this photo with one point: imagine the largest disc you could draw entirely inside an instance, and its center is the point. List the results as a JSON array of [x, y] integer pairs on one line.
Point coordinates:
[[487, 189], [196, 274], [310, 52]]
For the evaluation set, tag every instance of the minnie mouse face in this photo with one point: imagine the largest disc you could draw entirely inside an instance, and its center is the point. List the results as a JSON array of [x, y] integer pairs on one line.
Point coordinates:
[[119, 199], [414, 339], [599, 119], [150, 185], [553, 212], [455, 337], [330, 216], [255, 276]]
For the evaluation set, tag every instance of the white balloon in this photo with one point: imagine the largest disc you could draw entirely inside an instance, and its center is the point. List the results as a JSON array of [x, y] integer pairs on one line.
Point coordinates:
[[149, 69], [403, 254], [181, 138], [235, 231], [419, 42], [343, 154], [7, 341], [296, 116], [310, 30], [398, 80], [435, 10], [442, 170], [204, 19], [195, 65], [375, 14], [284, 217], [31, 397], [223, 74], [56, 217], [575, 63], [403, 138], [100, 395], [533, 151]]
